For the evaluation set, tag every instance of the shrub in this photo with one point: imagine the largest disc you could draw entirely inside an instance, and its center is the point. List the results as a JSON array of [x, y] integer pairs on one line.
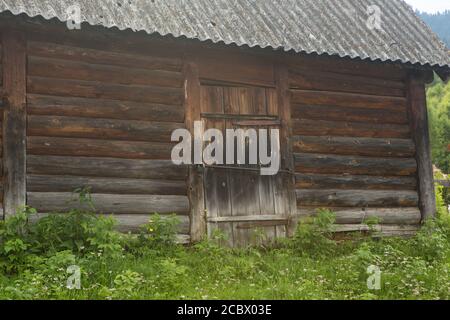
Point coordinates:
[[159, 231], [15, 240], [431, 241], [313, 235]]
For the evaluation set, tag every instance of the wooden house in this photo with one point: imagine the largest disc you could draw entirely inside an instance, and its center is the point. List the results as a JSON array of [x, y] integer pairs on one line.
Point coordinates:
[[92, 93]]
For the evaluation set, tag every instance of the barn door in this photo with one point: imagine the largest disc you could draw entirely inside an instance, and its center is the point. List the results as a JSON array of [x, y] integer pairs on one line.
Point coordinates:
[[244, 205]]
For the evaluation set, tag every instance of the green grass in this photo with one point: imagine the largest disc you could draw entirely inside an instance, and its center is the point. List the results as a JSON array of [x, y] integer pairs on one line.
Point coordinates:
[[34, 262]]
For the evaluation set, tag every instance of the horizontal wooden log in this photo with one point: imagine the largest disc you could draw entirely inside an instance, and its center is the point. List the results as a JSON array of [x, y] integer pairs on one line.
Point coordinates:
[[99, 90], [98, 148], [386, 216], [348, 100], [326, 81], [327, 181], [238, 218], [356, 198], [332, 113], [52, 183], [101, 108], [74, 70], [51, 50], [380, 231], [105, 167], [131, 222], [110, 129], [307, 127], [109, 203], [333, 164], [401, 148], [346, 66]]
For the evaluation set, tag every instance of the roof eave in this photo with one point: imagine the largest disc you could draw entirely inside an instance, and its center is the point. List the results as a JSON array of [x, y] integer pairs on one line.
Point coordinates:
[[443, 73]]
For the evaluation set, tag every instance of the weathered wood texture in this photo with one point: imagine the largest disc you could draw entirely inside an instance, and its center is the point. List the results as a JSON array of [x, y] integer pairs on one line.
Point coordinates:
[[195, 179], [110, 203], [354, 150], [102, 118], [386, 216], [419, 127], [237, 199], [14, 120], [101, 106]]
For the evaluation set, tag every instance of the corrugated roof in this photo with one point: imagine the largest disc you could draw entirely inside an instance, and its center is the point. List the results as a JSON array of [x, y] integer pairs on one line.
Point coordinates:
[[334, 27]]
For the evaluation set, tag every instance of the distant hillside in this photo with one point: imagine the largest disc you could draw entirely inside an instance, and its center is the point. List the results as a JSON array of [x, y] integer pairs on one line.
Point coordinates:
[[440, 23]]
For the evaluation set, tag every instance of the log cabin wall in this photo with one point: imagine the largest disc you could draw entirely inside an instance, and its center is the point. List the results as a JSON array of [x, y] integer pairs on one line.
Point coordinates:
[[101, 106], [352, 144], [101, 115]]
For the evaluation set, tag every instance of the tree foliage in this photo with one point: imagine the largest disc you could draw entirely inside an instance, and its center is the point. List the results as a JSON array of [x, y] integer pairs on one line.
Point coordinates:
[[439, 119], [440, 23]]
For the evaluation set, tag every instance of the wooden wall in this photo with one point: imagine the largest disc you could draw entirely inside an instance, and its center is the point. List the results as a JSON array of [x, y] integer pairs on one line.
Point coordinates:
[[102, 117], [352, 145], [101, 106]]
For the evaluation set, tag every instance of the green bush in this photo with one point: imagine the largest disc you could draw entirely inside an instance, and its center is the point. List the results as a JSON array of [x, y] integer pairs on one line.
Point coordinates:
[[159, 231], [313, 235]]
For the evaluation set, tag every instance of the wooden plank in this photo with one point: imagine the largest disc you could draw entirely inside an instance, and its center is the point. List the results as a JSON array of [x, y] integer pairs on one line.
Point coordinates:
[[110, 129], [327, 181], [333, 113], [348, 66], [195, 179], [105, 167], [236, 116], [356, 198], [236, 68], [14, 121], [421, 136], [52, 183], [74, 70], [307, 127], [386, 216], [333, 164], [216, 182], [383, 230], [130, 222], [284, 184], [329, 81], [244, 186], [109, 203], [101, 108], [98, 148], [58, 51], [257, 123], [95, 89], [348, 100], [240, 218], [400, 148]]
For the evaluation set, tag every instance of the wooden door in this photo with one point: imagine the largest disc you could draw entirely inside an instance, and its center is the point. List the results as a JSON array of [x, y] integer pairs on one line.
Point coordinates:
[[244, 205]]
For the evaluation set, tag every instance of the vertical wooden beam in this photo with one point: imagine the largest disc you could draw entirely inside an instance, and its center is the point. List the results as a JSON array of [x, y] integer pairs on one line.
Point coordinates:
[[195, 179], [418, 118], [14, 121], [287, 157]]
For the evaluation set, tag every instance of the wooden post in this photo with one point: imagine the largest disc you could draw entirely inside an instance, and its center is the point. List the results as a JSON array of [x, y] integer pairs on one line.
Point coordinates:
[[419, 127], [284, 111], [14, 121], [195, 179]]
